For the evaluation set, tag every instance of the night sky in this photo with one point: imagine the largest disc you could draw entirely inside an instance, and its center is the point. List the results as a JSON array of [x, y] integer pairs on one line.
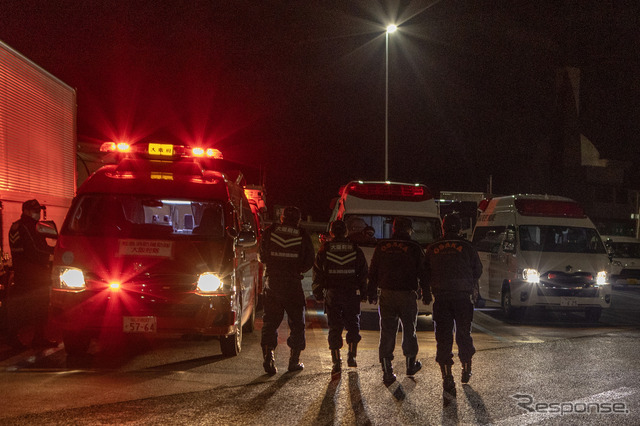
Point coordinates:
[[297, 88]]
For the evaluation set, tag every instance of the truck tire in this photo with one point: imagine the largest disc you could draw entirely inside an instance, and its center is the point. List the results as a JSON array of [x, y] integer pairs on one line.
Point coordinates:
[[250, 325], [508, 309], [232, 345], [592, 314], [76, 343]]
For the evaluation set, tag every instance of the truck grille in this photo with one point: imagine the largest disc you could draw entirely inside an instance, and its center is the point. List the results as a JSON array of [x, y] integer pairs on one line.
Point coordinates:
[[562, 284]]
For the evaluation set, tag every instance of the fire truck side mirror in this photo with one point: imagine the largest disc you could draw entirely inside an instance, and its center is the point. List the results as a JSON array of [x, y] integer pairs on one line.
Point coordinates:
[[246, 238], [47, 228]]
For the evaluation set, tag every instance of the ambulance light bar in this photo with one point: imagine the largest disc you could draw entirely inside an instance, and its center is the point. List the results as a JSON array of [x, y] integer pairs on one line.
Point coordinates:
[[388, 191], [549, 208], [115, 147], [160, 150], [209, 153]]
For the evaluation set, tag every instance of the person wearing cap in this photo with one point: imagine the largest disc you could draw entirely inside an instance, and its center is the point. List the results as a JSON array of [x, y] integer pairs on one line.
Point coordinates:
[[340, 279], [396, 279], [287, 252], [29, 296], [452, 270]]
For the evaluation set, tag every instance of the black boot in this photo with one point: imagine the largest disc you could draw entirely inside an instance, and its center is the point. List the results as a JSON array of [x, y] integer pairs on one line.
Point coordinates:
[[466, 371], [448, 384], [337, 361], [269, 363], [413, 366], [353, 351], [387, 369], [294, 360]]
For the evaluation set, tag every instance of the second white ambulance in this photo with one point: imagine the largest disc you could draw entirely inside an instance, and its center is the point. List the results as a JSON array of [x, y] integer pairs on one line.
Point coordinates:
[[541, 251]]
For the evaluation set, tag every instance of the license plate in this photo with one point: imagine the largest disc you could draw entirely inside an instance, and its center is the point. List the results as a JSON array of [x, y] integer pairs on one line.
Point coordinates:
[[632, 281], [139, 324], [568, 301]]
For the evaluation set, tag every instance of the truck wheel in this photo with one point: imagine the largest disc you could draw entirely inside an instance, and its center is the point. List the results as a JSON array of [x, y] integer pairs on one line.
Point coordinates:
[[250, 325], [232, 345], [592, 314], [76, 343], [508, 309]]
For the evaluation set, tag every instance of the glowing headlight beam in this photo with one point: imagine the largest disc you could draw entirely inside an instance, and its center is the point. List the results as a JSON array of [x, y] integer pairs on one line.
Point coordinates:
[[208, 283], [72, 279], [531, 275]]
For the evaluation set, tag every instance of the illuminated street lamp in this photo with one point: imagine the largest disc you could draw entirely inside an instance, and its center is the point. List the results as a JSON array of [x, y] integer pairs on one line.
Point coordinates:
[[390, 29]]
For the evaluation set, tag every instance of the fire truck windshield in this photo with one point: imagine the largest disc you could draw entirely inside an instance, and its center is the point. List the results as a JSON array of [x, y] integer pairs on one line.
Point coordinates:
[[108, 215]]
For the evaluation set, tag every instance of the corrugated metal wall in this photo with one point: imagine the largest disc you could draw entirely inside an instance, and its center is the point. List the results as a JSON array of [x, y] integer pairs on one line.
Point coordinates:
[[37, 129]]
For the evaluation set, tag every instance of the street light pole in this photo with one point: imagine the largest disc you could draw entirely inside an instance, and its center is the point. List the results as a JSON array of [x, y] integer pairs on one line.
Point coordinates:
[[390, 29]]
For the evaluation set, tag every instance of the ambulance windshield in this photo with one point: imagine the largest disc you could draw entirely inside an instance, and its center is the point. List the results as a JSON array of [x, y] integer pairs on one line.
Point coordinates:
[[561, 239], [145, 217]]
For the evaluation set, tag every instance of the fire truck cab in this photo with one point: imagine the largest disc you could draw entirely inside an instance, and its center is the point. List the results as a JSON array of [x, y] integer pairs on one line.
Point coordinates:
[[156, 245]]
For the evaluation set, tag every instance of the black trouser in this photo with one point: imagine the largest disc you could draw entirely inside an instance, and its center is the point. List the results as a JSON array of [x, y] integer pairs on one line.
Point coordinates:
[[343, 312], [276, 303], [449, 313], [397, 306], [28, 307]]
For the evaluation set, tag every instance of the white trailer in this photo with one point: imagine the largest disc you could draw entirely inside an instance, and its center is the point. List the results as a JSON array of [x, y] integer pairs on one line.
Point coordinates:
[[37, 141]]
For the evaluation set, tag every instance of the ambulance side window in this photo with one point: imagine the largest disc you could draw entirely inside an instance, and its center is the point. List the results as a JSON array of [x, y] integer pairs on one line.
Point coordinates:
[[509, 242], [487, 238]]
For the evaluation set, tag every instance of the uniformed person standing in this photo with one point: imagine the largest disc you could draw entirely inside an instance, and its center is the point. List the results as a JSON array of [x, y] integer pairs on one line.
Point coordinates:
[[340, 278], [287, 252], [452, 270], [397, 272], [29, 296]]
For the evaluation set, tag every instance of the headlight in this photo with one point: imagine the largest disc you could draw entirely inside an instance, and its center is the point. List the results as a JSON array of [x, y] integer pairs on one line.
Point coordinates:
[[531, 276], [72, 279], [602, 278], [208, 283]]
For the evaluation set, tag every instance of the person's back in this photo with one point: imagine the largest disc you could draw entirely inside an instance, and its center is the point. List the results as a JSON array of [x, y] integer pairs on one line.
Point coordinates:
[[452, 270], [287, 252], [339, 278], [396, 274], [453, 266], [396, 264]]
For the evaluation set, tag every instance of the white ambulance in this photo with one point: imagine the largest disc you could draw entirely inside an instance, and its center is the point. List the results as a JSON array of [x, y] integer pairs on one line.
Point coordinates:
[[541, 251], [625, 260], [375, 204]]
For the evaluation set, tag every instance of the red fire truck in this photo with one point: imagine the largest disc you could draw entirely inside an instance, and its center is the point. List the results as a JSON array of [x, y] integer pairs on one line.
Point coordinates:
[[156, 245]]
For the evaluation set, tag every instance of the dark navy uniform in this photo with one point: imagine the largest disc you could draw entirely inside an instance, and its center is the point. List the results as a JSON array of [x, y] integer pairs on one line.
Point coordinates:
[[397, 270], [287, 252], [452, 270], [340, 272], [29, 296]]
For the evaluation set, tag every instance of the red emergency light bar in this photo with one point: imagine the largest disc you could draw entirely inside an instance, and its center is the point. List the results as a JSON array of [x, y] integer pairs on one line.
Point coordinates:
[[216, 154], [483, 204], [549, 208], [160, 150], [115, 147], [388, 191]]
